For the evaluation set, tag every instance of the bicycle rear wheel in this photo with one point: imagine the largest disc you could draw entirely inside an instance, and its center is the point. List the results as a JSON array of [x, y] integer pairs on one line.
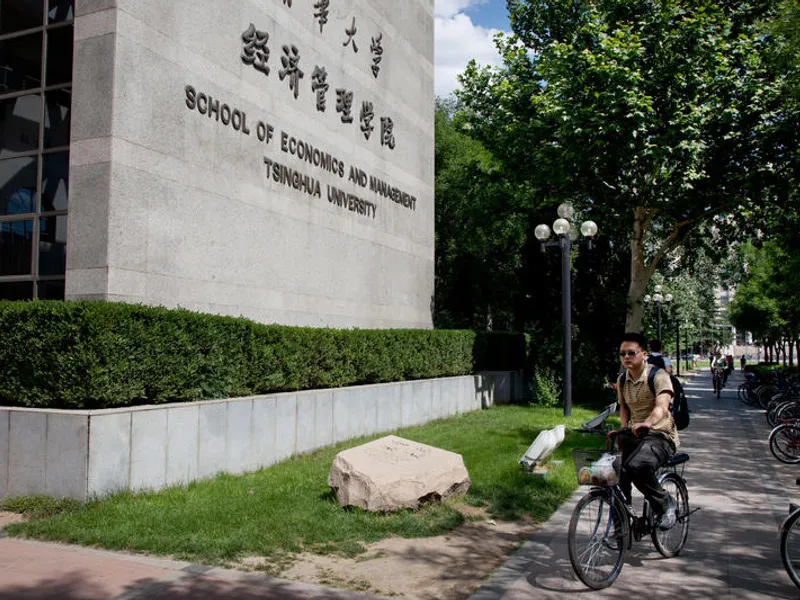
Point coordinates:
[[784, 443], [598, 538], [790, 546], [788, 410], [774, 409], [669, 543]]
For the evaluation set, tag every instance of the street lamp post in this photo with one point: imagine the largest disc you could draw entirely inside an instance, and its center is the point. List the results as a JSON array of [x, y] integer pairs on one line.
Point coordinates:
[[687, 346], [658, 299], [566, 233]]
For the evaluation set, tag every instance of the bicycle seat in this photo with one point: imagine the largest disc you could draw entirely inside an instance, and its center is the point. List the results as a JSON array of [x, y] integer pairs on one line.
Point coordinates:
[[678, 459]]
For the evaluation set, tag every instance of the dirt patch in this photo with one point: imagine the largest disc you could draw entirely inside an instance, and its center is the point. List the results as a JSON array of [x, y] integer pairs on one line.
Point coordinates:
[[9, 518], [446, 567]]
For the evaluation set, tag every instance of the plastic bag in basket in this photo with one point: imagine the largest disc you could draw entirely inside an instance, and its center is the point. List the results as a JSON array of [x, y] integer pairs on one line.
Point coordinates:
[[603, 471]]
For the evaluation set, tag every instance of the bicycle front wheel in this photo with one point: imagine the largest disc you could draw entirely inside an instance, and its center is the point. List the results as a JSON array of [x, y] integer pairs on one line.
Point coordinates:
[[597, 539], [790, 546], [670, 542], [784, 443]]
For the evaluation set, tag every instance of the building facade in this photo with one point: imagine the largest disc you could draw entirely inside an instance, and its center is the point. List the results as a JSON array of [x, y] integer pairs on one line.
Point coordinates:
[[265, 158]]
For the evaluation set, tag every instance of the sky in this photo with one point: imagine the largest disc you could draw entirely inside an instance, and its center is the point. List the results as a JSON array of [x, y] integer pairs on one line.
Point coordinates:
[[464, 30]]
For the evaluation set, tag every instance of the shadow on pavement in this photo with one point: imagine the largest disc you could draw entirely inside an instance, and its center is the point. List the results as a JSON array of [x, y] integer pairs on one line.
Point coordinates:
[[75, 587]]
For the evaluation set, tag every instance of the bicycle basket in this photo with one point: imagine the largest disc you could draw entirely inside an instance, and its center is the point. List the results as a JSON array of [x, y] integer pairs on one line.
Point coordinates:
[[596, 467]]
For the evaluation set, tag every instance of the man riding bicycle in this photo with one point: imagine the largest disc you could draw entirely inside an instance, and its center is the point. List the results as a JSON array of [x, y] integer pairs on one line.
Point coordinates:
[[719, 369], [649, 437]]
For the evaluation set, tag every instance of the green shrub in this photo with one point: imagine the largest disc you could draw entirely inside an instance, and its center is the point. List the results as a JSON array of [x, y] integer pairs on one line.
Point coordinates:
[[546, 388], [100, 354]]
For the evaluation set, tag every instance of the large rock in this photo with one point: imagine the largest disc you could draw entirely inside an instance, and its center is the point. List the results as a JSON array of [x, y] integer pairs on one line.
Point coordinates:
[[392, 473]]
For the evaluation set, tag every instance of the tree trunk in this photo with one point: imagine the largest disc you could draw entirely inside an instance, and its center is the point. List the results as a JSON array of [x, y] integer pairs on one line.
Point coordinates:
[[640, 272]]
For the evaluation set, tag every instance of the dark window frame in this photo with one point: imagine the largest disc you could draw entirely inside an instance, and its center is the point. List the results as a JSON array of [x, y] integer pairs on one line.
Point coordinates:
[[38, 214]]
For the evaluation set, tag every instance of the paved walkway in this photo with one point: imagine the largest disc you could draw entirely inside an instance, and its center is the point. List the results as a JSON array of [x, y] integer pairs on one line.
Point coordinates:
[[37, 571], [732, 551]]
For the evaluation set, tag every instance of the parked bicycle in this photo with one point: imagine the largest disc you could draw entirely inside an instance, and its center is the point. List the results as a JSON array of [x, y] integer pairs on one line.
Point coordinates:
[[780, 410], [784, 441], [603, 527], [790, 542]]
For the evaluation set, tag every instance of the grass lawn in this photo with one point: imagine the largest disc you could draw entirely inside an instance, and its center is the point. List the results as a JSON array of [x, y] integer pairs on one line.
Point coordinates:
[[289, 507]]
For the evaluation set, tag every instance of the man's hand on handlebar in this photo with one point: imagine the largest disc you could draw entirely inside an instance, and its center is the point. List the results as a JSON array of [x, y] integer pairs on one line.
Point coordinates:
[[640, 430]]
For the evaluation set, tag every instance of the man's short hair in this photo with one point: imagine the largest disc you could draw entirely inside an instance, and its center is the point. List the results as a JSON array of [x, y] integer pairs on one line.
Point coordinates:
[[638, 338], [655, 346]]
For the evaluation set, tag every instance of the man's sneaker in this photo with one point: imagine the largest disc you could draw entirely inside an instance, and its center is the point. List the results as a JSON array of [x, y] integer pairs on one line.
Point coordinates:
[[669, 518]]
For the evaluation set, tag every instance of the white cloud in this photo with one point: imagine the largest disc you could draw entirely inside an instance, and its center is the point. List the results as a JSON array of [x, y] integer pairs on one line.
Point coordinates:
[[458, 40], [450, 8]]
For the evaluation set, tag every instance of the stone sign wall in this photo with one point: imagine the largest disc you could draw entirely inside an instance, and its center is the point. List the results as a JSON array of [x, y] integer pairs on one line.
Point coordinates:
[[265, 158]]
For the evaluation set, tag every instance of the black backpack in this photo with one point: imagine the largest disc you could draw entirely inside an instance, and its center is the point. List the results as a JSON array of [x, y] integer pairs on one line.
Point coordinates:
[[679, 406], [657, 361]]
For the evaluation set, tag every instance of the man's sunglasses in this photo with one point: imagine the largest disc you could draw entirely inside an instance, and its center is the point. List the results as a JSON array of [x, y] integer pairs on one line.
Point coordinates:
[[629, 353]]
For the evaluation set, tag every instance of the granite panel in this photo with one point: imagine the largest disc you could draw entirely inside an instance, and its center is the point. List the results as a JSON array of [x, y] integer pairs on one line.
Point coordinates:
[[389, 406], [66, 456], [148, 449], [323, 418], [26, 455], [265, 419], [182, 444], [240, 436], [306, 422], [286, 426], [109, 453], [212, 438]]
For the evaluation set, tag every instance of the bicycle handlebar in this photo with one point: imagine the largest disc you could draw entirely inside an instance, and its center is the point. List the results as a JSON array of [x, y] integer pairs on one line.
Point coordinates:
[[612, 435]]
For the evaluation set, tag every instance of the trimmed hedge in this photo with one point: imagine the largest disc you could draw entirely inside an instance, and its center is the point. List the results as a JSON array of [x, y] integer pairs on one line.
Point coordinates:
[[89, 355]]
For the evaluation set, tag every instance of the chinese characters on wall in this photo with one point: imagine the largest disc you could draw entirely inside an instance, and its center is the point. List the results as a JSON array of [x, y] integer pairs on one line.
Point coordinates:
[[256, 53], [323, 172]]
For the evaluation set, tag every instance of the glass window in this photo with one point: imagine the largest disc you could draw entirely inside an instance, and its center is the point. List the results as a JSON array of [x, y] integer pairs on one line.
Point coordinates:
[[57, 117], [16, 241], [60, 10], [17, 185], [55, 177], [53, 245], [36, 53], [21, 63], [51, 290], [16, 15], [59, 56], [19, 290], [19, 123]]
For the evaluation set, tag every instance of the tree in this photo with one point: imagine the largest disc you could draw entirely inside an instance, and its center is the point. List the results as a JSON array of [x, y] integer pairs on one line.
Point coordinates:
[[766, 300], [479, 233], [662, 120]]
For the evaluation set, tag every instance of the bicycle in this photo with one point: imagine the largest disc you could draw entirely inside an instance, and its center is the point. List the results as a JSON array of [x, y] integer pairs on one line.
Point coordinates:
[[790, 542], [603, 527], [784, 441], [718, 380]]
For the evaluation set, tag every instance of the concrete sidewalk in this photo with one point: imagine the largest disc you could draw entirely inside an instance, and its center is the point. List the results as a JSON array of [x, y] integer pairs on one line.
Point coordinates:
[[732, 550]]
